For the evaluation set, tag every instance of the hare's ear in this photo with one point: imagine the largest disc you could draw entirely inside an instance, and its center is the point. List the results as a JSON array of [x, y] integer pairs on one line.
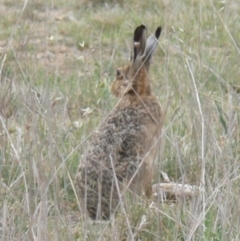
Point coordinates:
[[151, 46], [139, 41]]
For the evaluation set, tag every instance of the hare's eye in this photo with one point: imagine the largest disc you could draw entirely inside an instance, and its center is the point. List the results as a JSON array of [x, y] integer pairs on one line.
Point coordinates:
[[118, 73]]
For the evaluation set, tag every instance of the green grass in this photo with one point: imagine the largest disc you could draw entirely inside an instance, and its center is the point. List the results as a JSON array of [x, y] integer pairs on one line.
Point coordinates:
[[56, 70]]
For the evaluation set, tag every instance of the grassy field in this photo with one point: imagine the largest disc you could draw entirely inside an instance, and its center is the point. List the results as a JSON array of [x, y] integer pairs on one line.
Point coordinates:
[[57, 60]]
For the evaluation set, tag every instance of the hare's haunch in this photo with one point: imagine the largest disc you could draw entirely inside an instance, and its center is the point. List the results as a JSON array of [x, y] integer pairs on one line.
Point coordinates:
[[122, 151]]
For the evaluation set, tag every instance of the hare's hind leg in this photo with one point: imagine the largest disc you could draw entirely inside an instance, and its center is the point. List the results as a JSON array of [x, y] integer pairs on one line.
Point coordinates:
[[109, 195], [87, 202]]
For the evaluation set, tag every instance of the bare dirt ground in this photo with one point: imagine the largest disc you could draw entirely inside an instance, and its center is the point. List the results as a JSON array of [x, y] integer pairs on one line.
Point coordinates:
[[34, 37]]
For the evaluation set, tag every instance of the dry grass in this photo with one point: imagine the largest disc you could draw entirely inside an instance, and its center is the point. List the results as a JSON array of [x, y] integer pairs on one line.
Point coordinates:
[[57, 61]]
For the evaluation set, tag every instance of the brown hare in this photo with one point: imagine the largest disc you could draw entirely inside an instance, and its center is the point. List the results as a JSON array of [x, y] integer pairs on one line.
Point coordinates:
[[122, 151]]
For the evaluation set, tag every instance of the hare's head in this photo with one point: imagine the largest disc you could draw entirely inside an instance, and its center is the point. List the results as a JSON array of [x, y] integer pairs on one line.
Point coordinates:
[[132, 79]]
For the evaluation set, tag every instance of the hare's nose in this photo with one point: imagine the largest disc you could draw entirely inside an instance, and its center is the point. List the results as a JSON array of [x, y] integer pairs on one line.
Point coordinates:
[[118, 73]]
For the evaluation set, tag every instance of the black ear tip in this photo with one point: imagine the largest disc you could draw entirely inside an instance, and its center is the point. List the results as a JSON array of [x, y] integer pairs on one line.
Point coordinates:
[[142, 26], [138, 33], [158, 32]]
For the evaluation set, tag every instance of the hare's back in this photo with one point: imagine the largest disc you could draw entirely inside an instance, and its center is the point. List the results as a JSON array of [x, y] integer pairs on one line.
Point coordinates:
[[125, 134]]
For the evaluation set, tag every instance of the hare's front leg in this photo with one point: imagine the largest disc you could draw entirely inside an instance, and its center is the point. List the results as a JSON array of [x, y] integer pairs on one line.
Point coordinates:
[[148, 191], [147, 181]]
